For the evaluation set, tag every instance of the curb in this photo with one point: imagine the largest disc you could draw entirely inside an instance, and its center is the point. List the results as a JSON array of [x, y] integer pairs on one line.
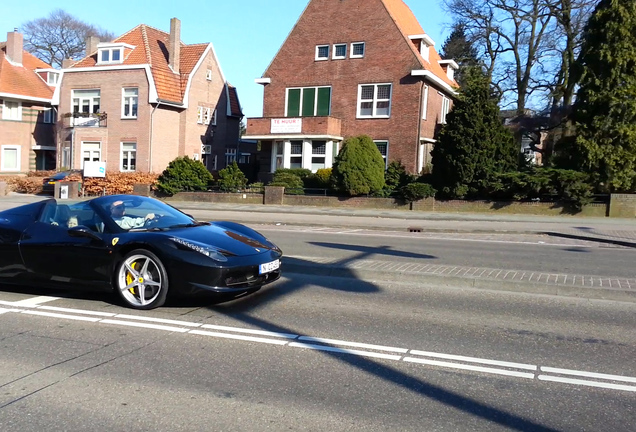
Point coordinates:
[[591, 293]]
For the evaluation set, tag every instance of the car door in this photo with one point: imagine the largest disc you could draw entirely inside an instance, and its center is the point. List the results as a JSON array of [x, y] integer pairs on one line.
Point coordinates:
[[49, 251]]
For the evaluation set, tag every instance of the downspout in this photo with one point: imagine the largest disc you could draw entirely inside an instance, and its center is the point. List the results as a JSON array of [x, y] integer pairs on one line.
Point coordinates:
[[419, 130], [152, 124]]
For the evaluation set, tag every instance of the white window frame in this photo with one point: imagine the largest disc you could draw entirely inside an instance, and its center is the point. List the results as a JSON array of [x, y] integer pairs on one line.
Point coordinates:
[[424, 50], [230, 156], [445, 108], [375, 100], [11, 113], [200, 114], [125, 154], [351, 50], [214, 114], [335, 49], [49, 115], [278, 158], [18, 166], [318, 58], [83, 143], [127, 101], [55, 80], [82, 98], [385, 157], [425, 102], [208, 75], [110, 51]]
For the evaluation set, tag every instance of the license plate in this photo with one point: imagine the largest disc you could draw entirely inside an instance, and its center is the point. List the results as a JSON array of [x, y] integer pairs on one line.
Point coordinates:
[[269, 267]]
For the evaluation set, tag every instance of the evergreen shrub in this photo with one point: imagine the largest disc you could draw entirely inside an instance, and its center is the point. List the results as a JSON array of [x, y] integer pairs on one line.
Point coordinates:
[[232, 179], [359, 167], [184, 174]]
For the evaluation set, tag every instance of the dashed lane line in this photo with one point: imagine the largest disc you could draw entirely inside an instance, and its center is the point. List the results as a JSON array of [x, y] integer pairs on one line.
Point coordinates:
[[448, 361]]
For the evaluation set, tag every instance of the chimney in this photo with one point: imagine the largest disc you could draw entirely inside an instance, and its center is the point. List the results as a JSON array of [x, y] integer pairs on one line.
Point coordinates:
[[174, 48], [15, 44], [67, 63], [91, 45]]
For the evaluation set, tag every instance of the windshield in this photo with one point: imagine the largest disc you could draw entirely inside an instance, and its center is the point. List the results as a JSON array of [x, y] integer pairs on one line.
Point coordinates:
[[134, 213]]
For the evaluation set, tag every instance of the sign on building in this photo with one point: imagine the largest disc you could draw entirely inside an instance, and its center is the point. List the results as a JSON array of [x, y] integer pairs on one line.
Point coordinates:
[[287, 125], [94, 169], [206, 149]]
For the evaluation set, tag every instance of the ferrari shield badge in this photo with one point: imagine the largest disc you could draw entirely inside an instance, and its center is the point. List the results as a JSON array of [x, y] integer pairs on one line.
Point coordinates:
[[115, 240]]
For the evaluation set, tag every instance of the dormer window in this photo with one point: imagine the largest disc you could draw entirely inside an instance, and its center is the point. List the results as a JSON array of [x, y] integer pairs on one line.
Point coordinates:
[[449, 66], [111, 53], [423, 43], [52, 78]]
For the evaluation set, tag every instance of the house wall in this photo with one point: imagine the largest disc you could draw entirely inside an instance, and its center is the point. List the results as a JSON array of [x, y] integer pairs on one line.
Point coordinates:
[[205, 93], [388, 59], [118, 130], [26, 133], [165, 137]]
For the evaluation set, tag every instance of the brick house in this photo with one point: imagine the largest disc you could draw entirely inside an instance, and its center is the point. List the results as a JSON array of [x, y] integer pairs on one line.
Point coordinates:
[[27, 121], [334, 78], [140, 101]]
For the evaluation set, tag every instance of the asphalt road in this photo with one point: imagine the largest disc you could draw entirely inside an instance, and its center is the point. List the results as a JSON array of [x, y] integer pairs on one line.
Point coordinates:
[[319, 354], [313, 353]]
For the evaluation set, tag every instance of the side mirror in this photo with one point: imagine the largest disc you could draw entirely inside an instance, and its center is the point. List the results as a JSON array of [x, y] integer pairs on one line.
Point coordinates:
[[82, 231]]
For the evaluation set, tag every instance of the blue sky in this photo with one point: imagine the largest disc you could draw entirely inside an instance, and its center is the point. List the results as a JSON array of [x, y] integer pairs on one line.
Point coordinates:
[[246, 34]]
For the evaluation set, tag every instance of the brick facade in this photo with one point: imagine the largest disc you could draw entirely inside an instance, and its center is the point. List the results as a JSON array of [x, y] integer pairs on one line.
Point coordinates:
[[388, 59], [169, 121]]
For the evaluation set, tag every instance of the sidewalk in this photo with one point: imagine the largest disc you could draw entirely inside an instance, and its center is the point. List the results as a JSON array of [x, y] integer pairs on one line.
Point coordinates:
[[614, 231]]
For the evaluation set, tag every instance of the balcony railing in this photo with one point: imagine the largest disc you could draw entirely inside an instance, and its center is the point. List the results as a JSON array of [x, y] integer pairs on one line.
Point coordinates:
[[78, 119]]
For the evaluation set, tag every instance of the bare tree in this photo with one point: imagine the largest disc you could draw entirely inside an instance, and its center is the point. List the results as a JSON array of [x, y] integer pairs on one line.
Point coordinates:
[[529, 47], [60, 36]]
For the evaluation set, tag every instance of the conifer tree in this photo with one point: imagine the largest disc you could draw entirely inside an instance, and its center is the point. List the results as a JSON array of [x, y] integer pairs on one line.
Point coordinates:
[[359, 167], [457, 47], [604, 112], [474, 145]]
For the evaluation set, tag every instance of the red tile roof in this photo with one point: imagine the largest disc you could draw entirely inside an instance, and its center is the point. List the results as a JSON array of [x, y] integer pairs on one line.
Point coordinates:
[[22, 80], [151, 47], [235, 106], [408, 24]]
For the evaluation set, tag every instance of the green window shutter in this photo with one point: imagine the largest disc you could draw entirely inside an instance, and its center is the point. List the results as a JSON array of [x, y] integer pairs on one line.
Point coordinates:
[[324, 101], [309, 102], [293, 103]]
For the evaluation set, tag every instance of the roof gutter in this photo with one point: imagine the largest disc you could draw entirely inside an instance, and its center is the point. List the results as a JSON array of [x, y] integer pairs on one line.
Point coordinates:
[[25, 98], [434, 79]]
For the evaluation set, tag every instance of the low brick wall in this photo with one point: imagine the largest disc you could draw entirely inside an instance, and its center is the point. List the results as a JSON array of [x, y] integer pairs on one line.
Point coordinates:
[[623, 205], [507, 207], [212, 197], [426, 205]]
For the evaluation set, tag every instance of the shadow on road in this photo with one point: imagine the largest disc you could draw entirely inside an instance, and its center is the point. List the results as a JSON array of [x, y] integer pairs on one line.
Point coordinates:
[[367, 251], [590, 238]]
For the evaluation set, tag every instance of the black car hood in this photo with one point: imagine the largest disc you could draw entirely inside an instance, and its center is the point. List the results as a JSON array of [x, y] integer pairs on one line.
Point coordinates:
[[224, 239]]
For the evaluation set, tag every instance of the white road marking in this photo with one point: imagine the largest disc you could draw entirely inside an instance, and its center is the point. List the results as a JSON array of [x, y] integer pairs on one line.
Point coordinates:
[[587, 383], [587, 374], [158, 320], [238, 337], [144, 325], [250, 331], [34, 301], [77, 311], [353, 344], [474, 360], [31, 308], [344, 351], [62, 316], [470, 367]]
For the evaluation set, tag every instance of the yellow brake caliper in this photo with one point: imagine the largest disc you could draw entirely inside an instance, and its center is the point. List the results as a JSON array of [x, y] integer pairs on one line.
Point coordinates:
[[129, 279]]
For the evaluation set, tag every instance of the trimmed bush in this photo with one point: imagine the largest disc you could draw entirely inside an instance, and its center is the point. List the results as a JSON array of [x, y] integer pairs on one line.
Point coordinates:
[[321, 179], [292, 183], [184, 174], [359, 167], [417, 191], [232, 179], [300, 172], [395, 178]]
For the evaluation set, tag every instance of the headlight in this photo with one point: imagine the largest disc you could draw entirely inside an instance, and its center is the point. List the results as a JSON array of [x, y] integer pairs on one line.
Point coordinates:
[[206, 250]]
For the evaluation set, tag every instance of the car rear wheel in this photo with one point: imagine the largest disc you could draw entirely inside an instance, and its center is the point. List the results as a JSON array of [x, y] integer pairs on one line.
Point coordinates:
[[141, 280]]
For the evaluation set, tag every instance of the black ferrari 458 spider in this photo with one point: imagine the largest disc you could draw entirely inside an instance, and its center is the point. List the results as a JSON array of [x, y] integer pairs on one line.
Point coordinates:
[[140, 247]]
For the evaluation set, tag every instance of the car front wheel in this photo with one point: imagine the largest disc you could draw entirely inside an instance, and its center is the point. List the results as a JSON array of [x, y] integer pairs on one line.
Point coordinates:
[[141, 280]]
